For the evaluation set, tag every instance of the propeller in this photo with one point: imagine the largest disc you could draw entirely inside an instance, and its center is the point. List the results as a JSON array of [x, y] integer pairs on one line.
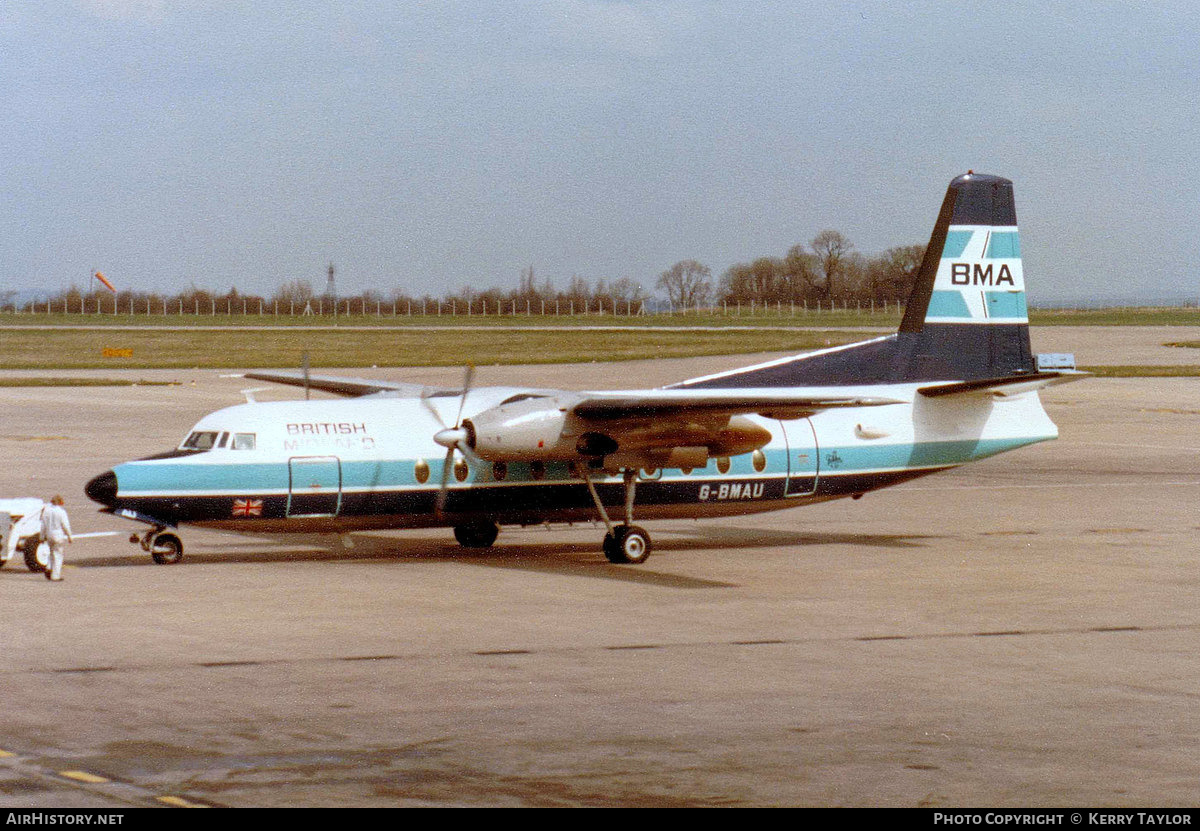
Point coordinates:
[[452, 438]]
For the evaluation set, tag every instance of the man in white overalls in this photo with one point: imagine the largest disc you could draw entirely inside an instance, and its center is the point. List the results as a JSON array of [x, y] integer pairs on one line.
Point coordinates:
[[56, 531]]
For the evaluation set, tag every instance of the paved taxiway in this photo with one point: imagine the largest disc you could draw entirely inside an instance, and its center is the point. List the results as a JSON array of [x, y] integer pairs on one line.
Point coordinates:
[[1020, 632]]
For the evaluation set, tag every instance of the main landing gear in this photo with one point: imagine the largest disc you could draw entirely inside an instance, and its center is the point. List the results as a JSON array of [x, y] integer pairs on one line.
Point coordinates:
[[476, 535], [623, 543], [166, 548]]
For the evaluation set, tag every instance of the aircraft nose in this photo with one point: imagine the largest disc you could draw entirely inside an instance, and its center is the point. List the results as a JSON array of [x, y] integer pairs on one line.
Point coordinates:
[[103, 489]]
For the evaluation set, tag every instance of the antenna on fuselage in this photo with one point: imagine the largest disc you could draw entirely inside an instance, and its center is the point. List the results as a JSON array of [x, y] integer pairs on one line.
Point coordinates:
[[304, 369]]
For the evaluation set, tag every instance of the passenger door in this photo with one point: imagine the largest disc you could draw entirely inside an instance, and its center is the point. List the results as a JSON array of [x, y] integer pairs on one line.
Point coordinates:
[[314, 486], [803, 459]]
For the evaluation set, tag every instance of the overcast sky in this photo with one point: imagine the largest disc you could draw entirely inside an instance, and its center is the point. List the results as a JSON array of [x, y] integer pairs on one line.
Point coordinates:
[[435, 145]]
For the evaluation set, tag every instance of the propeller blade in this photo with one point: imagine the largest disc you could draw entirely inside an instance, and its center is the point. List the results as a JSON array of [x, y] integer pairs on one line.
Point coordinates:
[[466, 450], [444, 489], [432, 409], [468, 377], [451, 438]]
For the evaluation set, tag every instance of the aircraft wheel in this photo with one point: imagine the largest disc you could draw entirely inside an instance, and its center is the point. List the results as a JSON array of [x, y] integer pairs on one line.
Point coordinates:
[[29, 550], [481, 535], [166, 549], [627, 544]]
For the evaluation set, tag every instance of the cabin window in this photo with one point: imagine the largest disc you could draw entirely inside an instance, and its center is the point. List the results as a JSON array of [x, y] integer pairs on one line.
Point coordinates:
[[243, 441], [760, 461], [421, 471], [201, 440], [499, 471], [722, 464]]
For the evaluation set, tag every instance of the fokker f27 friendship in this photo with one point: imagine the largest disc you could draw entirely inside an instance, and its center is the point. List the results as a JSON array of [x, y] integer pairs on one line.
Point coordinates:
[[955, 384]]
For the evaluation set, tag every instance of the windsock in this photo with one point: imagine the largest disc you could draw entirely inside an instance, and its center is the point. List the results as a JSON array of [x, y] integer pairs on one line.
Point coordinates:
[[107, 284]]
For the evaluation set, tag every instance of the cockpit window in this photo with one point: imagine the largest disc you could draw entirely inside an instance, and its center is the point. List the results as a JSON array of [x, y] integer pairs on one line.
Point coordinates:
[[201, 440], [243, 441], [224, 440]]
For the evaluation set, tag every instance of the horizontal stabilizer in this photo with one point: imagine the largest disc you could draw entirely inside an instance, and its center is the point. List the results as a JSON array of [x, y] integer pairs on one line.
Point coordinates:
[[1007, 386]]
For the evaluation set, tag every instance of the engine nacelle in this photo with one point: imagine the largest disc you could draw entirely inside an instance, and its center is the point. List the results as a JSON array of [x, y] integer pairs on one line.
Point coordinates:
[[530, 429], [542, 428]]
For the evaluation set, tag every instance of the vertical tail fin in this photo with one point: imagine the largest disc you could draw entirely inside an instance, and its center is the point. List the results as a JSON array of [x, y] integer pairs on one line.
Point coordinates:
[[967, 312], [966, 317]]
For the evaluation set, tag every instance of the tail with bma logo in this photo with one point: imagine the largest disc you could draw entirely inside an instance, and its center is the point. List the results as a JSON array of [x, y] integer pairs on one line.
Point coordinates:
[[965, 320], [966, 317]]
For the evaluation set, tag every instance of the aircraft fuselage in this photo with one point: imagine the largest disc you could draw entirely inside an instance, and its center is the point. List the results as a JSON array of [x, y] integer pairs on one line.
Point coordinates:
[[346, 465]]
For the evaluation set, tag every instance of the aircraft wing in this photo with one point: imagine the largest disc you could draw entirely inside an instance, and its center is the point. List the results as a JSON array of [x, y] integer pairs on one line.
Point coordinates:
[[349, 387], [665, 404], [660, 427]]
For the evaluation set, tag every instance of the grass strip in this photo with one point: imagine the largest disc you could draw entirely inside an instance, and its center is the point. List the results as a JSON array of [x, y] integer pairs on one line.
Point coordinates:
[[81, 382], [1144, 371], [188, 349]]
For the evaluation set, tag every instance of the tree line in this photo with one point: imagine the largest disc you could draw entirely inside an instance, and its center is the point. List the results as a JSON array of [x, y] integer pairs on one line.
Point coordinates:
[[827, 271], [298, 297]]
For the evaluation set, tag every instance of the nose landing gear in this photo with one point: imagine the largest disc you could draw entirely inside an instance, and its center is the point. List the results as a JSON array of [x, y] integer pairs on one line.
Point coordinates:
[[165, 548]]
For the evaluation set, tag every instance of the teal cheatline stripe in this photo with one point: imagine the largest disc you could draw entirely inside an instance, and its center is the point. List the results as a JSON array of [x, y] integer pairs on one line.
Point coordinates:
[[144, 476], [196, 477], [956, 243], [920, 455], [1003, 245], [947, 304], [1008, 304]]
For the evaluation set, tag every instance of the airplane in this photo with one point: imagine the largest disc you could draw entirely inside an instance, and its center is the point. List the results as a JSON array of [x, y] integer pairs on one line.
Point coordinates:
[[957, 383]]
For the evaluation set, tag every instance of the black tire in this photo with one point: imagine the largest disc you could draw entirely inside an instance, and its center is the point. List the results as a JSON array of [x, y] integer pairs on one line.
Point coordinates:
[[166, 549], [29, 550], [480, 535], [627, 544]]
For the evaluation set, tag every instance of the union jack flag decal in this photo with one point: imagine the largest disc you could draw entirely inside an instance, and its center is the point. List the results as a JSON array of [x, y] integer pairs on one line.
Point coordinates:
[[247, 507]]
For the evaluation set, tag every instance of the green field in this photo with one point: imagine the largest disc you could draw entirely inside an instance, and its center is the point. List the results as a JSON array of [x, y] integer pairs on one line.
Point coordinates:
[[60, 348], [1144, 371], [39, 341]]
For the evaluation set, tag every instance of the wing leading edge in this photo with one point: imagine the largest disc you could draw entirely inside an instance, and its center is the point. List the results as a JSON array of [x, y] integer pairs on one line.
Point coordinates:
[[349, 387]]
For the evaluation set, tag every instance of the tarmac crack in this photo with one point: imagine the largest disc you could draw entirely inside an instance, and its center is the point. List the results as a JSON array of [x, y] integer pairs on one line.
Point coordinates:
[[633, 647]]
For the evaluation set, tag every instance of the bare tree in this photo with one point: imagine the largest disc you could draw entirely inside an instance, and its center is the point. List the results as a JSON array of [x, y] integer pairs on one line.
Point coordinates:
[[830, 248], [687, 283], [893, 272], [628, 293], [800, 273], [294, 291]]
